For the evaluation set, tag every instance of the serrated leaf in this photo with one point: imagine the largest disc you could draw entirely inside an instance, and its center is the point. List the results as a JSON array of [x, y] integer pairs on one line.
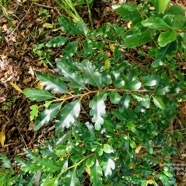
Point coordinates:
[[70, 49], [98, 110], [68, 115], [37, 94], [73, 77], [115, 97], [47, 115], [96, 174], [34, 111], [155, 23], [167, 37], [159, 103], [93, 77], [108, 166], [52, 83], [5, 161], [57, 41], [107, 148]]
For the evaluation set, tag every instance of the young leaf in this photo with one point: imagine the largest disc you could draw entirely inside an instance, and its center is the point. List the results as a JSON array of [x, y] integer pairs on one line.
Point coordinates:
[[159, 103], [52, 83], [96, 174], [108, 166], [57, 41], [98, 110], [92, 76], [167, 37], [162, 5], [47, 115], [73, 77], [68, 115], [34, 111], [37, 94], [90, 161], [155, 23]]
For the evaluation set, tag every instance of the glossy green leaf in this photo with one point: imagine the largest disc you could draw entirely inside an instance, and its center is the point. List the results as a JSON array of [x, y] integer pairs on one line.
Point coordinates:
[[51, 182], [90, 161], [107, 148], [155, 23], [52, 83], [176, 10], [71, 179], [93, 77], [124, 102], [73, 77], [96, 174], [70, 27], [108, 166], [139, 97], [131, 126], [70, 49], [47, 115], [132, 85], [37, 94], [68, 115], [115, 97], [136, 36], [162, 5], [57, 41], [167, 37], [34, 111], [98, 110], [128, 11], [159, 103], [151, 80]]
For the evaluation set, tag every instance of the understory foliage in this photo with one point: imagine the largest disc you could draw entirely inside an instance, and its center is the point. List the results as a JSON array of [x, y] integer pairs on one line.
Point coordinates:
[[112, 102]]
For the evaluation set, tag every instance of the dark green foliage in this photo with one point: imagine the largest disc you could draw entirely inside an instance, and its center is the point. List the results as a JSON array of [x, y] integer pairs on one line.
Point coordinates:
[[111, 113]]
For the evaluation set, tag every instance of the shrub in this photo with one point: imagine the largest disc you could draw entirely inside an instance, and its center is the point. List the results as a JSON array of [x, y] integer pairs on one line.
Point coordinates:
[[113, 101]]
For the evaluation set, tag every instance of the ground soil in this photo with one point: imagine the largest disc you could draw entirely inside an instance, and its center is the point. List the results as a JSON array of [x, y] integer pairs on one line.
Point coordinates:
[[21, 30]]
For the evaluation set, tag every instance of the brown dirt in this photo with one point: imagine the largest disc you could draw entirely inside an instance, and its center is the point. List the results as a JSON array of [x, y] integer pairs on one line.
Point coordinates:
[[18, 65]]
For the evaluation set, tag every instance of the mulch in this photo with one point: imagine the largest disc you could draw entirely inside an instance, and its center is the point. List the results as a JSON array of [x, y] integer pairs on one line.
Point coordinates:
[[22, 28]]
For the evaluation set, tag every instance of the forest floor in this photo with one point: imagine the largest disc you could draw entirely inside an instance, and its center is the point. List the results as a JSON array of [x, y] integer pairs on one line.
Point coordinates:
[[23, 27]]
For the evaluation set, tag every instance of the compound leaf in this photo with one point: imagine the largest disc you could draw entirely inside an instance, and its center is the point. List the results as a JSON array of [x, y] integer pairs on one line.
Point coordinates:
[[37, 94], [73, 77], [93, 77], [47, 115], [52, 83], [57, 41], [96, 174], [98, 110], [68, 115]]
